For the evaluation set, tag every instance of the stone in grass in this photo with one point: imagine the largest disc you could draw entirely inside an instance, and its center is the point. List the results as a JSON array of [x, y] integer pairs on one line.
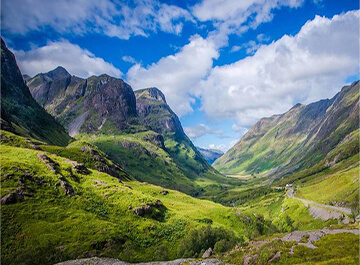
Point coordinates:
[[13, 197], [164, 192], [275, 258], [207, 253]]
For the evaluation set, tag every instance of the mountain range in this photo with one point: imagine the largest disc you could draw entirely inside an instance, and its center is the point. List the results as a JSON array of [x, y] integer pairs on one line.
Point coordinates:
[[210, 154], [130, 126], [319, 134], [118, 186]]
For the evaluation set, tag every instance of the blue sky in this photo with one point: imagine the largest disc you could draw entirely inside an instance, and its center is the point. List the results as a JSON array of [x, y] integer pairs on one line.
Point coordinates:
[[222, 64]]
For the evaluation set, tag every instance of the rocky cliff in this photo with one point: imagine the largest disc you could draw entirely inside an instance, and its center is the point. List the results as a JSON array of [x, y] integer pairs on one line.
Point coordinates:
[[20, 113]]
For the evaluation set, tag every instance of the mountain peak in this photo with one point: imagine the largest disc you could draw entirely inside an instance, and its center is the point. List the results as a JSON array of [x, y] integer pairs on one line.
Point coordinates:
[[151, 92], [58, 72]]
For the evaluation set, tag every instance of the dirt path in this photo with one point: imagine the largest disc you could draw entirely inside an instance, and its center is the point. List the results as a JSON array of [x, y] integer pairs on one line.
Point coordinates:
[[323, 211]]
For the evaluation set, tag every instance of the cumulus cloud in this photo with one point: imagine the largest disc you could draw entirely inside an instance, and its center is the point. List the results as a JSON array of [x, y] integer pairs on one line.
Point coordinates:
[[235, 13], [200, 130], [111, 18], [177, 75], [222, 147], [76, 60], [311, 65]]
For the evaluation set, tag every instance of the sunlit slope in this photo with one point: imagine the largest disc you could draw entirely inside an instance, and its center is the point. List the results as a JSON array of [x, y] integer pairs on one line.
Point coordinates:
[[298, 139], [55, 209]]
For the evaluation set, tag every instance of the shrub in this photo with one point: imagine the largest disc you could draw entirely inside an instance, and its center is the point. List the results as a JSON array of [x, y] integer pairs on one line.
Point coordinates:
[[198, 240]]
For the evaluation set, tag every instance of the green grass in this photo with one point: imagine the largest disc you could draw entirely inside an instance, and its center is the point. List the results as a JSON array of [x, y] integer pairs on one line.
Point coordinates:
[[177, 167], [331, 249], [51, 226]]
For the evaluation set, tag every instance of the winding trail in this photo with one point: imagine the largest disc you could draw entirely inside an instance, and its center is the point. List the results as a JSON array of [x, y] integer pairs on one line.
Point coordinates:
[[322, 211]]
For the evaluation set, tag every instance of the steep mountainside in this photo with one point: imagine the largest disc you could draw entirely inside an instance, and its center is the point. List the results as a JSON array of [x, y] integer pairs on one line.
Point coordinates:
[[299, 139], [93, 105], [210, 154], [139, 131], [20, 113]]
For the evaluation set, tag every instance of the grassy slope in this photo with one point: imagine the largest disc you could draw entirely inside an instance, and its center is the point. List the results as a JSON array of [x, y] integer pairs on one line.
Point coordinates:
[[51, 226], [148, 162], [331, 249], [298, 139]]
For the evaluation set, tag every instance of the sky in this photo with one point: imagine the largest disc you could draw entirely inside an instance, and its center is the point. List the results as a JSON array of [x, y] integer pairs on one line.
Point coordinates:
[[222, 64]]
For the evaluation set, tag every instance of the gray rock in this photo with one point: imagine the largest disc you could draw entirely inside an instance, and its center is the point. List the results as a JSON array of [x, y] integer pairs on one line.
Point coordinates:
[[207, 253], [275, 258]]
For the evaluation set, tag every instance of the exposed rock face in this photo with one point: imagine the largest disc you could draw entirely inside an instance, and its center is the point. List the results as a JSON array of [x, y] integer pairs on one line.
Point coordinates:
[[80, 168], [51, 164], [98, 103], [156, 139], [207, 253], [66, 186], [20, 109], [155, 113], [13, 197], [300, 138]]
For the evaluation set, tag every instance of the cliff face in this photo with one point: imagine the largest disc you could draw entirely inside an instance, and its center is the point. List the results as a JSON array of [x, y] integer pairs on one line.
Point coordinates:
[[19, 111], [96, 104], [297, 139]]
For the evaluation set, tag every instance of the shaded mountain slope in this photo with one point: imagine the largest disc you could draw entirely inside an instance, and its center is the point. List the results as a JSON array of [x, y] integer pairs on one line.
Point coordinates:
[[20, 113], [298, 139]]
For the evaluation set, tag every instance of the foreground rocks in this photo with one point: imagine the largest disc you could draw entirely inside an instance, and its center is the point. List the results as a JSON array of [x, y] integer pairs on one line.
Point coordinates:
[[104, 261]]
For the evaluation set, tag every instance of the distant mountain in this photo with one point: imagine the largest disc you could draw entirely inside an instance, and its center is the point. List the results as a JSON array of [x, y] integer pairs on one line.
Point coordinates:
[[210, 154], [324, 132], [138, 130], [20, 113]]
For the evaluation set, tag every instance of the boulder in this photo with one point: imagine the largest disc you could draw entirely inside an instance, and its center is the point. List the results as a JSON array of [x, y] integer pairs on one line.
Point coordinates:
[[164, 192], [207, 253]]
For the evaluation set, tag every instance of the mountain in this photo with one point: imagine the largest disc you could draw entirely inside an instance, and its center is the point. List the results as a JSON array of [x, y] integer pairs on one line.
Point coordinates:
[[210, 155], [20, 113], [138, 130], [322, 133], [93, 105]]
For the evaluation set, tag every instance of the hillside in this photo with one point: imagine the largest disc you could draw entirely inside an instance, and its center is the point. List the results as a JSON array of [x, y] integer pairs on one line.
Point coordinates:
[[55, 209], [19, 111], [138, 131], [322, 133], [210, 155]]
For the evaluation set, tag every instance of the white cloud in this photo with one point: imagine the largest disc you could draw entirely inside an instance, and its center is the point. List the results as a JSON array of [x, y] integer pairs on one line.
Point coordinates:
[[200, 130], [262, 37], [111, 18], [128, 59], [76, 60], [177, 76], [235, 48], [222, 147], [235, 13], [303, 68]]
